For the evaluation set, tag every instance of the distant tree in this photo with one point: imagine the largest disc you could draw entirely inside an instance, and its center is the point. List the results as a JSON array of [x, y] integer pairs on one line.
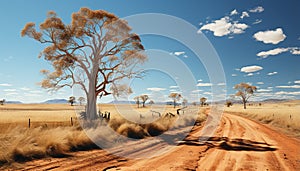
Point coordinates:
[[137, 101], [144, 98], [229, 103], [81, 100], [2, 102], [94, 51], [194, 103], [184, 102], [175, 97], [71, 100], [244, 91], [151, 102], [203, 100]]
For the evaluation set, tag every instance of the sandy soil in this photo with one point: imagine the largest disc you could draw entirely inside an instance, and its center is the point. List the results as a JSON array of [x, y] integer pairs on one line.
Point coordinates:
[[238, 144]]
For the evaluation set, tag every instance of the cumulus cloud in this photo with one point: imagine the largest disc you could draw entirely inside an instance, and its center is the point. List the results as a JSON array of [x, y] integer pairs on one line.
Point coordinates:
[[244, 14], [264, 90], [257, 21], [276, 51], [204, 84], [5, 85], [233, 75], [265, 54], [174, 86], [248, 69], [297, 82], [10, 90], [196, 91], [200, 80], [270, 36], [272, 73], [25, 89], [287, 93], [11, 94], [258, 9], [156, 89], [250, 74], [295, 51], [260, 83], [234, 12], [290, 86], [224, 26], [179, 53]]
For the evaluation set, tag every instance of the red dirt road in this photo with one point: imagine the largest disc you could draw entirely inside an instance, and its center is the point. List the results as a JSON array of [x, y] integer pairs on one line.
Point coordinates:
[[238, 144]]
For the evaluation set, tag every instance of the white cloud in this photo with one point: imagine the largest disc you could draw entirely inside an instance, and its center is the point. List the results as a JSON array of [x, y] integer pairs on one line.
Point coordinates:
[[287, 93], [297, 82], [5, 85], [248, 69], [270, 36], [258, 9], [224, 26], [35, 91], [257, 21], [156, 89], [185, 56], [221, 84], [260, 83], [250, 74], [244, 14], [25, 89], [272, 73], [204, 84], [265, 54], [10, 90], [196, 91], [200, 80], [291, 86], [264, 90], [207, 93], [174, 86], [234, 12], [11, 94], [295, 51], [233, 75], [179, 53]]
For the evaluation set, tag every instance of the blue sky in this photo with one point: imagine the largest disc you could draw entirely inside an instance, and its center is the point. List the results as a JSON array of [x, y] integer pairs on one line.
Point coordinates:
[[257, 42]]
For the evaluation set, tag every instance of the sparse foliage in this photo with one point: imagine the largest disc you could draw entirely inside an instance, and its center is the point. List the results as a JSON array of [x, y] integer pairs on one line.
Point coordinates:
[[203, 100], [184, 102], [229, 103], [137, 101], [81, 100], [151, 102], [244, 91], [2, 102], [72, 100], [175, 97], [94, 51], [144, 98]]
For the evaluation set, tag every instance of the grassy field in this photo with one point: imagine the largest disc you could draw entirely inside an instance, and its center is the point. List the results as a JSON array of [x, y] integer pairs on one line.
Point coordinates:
[[285, 115], [51, 132]]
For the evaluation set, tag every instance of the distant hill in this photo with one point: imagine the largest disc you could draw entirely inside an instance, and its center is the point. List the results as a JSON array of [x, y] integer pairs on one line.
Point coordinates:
[[13, 102], [55, 101], [121, 102], [275, 100]]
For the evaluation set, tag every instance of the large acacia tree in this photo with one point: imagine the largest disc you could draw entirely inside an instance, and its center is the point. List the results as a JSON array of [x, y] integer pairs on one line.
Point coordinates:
[[94, 51], [244, 91]]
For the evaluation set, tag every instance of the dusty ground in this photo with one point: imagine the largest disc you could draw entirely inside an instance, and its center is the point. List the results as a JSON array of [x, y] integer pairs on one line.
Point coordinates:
[[238, 144]]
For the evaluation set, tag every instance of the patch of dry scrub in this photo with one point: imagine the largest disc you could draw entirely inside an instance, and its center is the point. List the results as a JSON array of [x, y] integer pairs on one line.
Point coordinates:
[[22, 144]]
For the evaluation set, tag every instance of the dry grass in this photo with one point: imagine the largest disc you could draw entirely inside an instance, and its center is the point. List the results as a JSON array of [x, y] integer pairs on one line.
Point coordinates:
[[284, 115], [51, 133]]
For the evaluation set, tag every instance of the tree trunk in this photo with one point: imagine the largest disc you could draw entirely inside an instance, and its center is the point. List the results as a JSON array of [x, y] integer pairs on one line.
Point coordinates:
[[174, 104], [244, 104], [91, 110], [143, 104]]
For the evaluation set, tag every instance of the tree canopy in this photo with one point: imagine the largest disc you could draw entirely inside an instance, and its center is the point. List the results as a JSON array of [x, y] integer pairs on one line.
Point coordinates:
[[244, 91], [94, 51]]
